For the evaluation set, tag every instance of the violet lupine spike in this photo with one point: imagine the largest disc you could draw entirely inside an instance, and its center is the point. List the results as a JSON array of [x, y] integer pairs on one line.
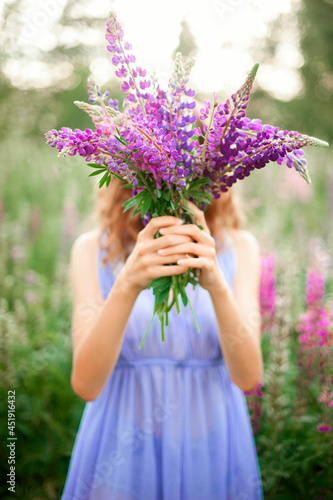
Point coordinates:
[[133, 76], [243, 94], [155, 134], [241, 98]]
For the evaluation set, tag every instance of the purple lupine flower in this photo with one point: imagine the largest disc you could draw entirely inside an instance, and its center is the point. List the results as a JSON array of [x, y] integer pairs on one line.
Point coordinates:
[[155, 133]]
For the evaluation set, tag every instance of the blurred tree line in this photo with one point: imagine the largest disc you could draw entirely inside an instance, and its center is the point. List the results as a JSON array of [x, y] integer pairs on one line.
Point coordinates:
[[24, 110], [309, 112]]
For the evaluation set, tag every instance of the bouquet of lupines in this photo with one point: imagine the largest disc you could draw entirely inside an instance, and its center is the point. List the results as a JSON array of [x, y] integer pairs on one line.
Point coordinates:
[[156, 148]]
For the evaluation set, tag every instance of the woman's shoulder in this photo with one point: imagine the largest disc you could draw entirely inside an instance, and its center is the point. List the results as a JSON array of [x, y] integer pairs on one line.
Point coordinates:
[[244, 241], [85, 244]]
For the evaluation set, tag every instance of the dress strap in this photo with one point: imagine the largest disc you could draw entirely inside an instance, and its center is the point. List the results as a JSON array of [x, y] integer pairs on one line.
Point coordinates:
[[106, 276]]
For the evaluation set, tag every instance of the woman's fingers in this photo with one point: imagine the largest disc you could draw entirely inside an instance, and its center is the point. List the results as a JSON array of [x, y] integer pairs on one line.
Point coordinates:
[[199, 216], [159, 271], [155, 259], [156, 223], [199, 263], [152, 245], [189, 248], [191, 230]]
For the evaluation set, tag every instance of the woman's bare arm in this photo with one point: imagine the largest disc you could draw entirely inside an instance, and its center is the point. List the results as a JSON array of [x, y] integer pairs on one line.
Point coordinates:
[[238, 315], [99, 326]]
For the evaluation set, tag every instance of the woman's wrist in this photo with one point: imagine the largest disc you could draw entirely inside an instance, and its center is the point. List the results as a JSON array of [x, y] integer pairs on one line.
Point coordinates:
[[219, 289], [127, 286]]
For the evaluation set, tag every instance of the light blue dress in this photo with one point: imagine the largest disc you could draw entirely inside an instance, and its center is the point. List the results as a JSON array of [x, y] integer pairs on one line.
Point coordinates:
[[169, 424]]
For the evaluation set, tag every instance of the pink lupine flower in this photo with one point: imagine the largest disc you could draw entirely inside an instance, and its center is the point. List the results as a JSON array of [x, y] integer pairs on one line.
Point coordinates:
[[253, 400], [267, 292], [315, 289], [324, 428], [315, 344]]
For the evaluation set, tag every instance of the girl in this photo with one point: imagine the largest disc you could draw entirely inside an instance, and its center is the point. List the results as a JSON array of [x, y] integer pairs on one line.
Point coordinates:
[[170, 421]]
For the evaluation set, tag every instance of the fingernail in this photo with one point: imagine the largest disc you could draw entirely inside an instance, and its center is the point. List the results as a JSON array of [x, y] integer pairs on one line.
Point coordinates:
[[179, 221], [181, 261], [161, 251], [163, 229]]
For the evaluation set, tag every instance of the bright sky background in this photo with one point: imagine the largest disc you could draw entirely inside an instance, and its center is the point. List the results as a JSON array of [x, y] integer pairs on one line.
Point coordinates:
[[223, 29]]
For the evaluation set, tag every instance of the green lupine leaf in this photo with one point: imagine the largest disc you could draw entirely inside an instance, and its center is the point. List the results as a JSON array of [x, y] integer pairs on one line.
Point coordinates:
[[94, 165], [145, 206], [97, 172], [136, 211], [121, 140], [183, 295], [202, 197], [117, 176], [129, 204], [162, 296], [200, 182], [193, 281], [132, 201], [163, 286], [158, 281], [103, 179]]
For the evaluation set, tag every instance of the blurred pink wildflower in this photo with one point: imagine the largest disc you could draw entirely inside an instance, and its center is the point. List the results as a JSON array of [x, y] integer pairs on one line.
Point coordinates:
[[267, 292]]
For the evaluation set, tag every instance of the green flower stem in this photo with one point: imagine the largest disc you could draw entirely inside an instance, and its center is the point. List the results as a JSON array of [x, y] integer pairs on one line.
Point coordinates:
[[168, 309], [177, 285], [139, 174], [207, 134], [184, 280], [175, 292], [194, 317], [162, 319], [189, 211], [148, 327]]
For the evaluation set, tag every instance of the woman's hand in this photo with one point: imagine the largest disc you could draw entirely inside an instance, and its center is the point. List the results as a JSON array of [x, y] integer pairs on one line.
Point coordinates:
[[200, 243], [145, 263]]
